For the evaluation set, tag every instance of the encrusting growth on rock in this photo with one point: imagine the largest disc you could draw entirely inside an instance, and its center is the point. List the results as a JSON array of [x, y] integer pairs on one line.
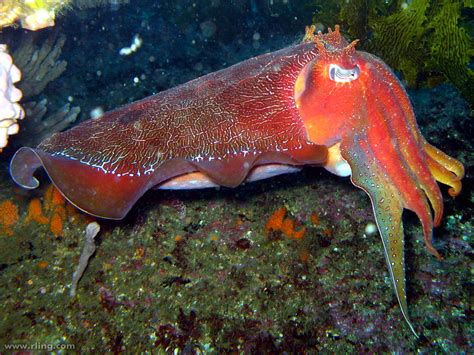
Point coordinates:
[[8, 217], [278, 223]]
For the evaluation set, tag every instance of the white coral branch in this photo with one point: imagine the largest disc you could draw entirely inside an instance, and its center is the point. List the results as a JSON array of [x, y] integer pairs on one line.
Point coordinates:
[[10, 110]]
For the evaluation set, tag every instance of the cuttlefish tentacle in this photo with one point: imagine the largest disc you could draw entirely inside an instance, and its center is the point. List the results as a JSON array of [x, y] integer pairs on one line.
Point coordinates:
[[412, 148], [387, 161], [413, 184], [352, 102], [445, 169], [387, 204]]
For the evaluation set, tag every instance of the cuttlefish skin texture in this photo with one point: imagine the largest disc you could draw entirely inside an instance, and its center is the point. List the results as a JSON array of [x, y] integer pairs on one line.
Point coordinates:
[[319, 102]]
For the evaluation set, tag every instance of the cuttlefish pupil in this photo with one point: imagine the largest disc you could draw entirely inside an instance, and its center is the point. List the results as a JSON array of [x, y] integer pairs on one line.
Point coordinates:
[[343, 75]]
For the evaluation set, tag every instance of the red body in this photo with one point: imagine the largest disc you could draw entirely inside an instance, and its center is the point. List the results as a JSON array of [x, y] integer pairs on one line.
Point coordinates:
[[222, 124]]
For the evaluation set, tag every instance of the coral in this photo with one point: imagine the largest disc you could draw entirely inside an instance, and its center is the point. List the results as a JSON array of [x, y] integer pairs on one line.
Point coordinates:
[[35, 212], [9, 10], [278, 223], [275, 221], [54, 206], [57, 221], [53, 198], [40, 125], [10, 110], [53, 211], [39, 64], [37, 14], [8, 217], [288, 228], [57, 209], [32, 14]]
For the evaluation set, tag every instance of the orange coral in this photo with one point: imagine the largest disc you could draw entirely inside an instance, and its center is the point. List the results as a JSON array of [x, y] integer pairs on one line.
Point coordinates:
[[287, 226], [35, 212], [275, 222], [53, 211], [278, 222], [8, 217], [57, 221], [43, 264], [299, 234], [53, 198], [57, 208], [315, 219]]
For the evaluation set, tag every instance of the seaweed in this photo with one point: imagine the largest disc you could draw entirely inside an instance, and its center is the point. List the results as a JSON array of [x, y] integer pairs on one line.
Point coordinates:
[[399, 39], [451, 48]]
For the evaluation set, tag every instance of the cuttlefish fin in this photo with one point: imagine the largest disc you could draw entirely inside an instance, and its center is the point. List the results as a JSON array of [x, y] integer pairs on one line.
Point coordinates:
[[388, 206]]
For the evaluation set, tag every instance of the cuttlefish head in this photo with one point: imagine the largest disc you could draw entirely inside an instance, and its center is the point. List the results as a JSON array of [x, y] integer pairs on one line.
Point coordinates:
[[351, 102]]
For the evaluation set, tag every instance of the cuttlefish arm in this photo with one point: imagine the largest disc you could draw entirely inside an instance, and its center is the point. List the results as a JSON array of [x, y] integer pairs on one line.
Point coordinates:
[[383, 165], [398, 169], [388, 206], [445, 169], [351, 102]]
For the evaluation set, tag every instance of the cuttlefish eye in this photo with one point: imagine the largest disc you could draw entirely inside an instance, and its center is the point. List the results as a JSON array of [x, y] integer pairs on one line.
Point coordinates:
[[343, 75]]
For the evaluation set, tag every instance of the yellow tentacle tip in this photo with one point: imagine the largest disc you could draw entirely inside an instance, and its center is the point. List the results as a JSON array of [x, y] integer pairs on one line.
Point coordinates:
[[445, 169], [455, 189]]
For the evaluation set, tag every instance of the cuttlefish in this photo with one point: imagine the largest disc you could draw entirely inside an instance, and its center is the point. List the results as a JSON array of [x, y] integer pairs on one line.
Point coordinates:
[[318, 102]]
